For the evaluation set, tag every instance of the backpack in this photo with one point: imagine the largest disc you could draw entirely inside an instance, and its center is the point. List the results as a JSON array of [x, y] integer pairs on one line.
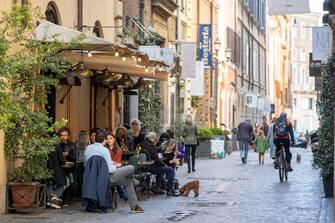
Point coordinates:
[[281, 128]]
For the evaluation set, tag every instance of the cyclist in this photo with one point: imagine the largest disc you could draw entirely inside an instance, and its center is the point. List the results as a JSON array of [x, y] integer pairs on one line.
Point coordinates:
[[283, 134]]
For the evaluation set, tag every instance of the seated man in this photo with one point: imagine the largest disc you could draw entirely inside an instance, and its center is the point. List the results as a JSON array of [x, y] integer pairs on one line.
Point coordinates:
[[159, 166], [121, 176], [69, 150], [59, 181]]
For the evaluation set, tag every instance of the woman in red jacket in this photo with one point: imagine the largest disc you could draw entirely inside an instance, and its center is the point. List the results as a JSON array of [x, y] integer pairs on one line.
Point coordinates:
[[116, 156]]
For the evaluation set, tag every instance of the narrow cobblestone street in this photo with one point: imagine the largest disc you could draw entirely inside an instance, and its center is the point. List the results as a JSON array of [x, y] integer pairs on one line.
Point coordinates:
[[230, 192]]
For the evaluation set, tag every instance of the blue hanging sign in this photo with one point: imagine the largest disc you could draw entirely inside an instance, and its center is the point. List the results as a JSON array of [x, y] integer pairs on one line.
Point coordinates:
[[205, 44]]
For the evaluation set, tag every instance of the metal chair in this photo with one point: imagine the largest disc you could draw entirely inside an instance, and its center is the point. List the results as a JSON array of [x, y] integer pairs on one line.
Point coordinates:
[[142, 176]]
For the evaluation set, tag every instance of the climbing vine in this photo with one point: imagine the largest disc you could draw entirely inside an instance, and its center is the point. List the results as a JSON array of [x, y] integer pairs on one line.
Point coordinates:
[[150, 107], [324, 155]]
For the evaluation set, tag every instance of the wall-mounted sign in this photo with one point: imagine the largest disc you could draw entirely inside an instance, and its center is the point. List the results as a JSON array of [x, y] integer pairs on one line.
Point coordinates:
[[189, 58], [168, 55], [272, 109], [314, 67], [322, 43], [197, 83], [285, 7], [205, 44]]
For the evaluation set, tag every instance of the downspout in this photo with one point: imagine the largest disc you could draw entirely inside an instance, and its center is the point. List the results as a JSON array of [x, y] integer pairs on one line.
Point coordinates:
[[142, 4], [80, 15]]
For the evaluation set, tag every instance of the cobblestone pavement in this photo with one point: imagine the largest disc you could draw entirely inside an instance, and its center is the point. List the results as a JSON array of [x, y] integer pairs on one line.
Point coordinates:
[[230, 192]]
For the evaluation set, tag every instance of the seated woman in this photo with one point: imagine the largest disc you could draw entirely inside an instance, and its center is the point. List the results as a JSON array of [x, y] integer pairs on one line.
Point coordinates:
[[170, 153], [159, 167], [116, 155]]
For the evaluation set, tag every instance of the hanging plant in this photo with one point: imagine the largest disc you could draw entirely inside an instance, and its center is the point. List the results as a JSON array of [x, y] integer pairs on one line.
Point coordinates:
[[324, 154]]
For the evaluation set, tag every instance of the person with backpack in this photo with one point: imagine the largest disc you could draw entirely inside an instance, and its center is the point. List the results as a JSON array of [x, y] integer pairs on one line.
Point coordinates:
[[283, 134]]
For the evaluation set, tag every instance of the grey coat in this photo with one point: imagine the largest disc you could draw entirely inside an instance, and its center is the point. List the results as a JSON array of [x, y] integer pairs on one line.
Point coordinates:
[[245, 131], [270, 142], [190, 133]]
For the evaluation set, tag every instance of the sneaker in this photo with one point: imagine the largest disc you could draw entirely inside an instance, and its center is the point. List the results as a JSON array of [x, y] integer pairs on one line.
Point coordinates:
[[136, 209], [289, 168], [173, 193], [243, 160], [193, 170], [276, 165], [55, 203]]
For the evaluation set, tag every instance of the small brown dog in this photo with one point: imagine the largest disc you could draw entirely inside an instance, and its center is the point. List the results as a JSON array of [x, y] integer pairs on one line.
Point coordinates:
[[193, 185]]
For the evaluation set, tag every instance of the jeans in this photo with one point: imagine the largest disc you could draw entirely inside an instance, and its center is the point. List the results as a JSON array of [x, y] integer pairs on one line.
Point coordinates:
[[121, 191], [169, 172], [286, 143], [244, 148], [57, 190], [188, 150], [123, 176]]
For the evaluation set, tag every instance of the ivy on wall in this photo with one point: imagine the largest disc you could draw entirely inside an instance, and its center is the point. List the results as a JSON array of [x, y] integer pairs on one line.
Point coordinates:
[[324, 154], [149, 107]]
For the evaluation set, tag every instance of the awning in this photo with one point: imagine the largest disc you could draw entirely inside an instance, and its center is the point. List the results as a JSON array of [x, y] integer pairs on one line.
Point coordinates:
[[103, 52]]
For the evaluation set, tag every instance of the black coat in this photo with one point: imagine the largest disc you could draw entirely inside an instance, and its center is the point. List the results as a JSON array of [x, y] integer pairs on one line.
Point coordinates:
[[152, 150], [55, 162], [96, 185], [72, 149]]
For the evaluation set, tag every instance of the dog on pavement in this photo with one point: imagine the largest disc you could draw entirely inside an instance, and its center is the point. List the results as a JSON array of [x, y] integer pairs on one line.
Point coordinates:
[[187, 188], [298, 158]]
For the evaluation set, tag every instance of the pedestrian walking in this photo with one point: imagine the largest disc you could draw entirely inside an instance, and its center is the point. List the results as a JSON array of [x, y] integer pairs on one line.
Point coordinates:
[[190, 133], [271, 144], [265, 126], [261, 146], [245, 135]]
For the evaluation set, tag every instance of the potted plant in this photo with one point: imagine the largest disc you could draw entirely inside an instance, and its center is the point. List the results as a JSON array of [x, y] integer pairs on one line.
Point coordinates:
[[324, 153], [204, 148], [24, 86]]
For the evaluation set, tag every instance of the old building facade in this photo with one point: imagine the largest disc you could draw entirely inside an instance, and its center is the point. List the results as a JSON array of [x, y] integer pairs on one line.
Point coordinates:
[[303, 87]]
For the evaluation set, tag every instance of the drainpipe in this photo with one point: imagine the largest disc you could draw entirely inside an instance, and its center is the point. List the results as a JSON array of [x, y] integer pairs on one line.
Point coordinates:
[[142, 11], [80, 15], [178, 50]]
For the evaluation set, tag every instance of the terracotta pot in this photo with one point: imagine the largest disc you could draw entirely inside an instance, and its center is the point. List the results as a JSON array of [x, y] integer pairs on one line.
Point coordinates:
[[23, 194]]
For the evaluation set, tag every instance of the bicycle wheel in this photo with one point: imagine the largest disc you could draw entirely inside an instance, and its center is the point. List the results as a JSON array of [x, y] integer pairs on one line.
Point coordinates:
[[281, 168]]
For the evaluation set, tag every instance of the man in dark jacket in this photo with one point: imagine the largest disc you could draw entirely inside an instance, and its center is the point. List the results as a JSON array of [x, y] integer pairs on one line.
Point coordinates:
[[69, 150], [59, 181], [282, 135], [245, 135], [159, 167]]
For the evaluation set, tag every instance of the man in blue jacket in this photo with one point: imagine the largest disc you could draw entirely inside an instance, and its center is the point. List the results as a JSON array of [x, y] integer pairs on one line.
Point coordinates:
[[122, 176]]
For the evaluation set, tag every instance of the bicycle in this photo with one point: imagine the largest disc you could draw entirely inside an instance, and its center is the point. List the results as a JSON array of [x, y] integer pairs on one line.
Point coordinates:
[[282, 165]]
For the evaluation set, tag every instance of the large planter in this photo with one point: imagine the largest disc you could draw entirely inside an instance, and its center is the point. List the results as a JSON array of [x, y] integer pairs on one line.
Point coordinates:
[[23, 194], [204, 150], [328, 186]]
